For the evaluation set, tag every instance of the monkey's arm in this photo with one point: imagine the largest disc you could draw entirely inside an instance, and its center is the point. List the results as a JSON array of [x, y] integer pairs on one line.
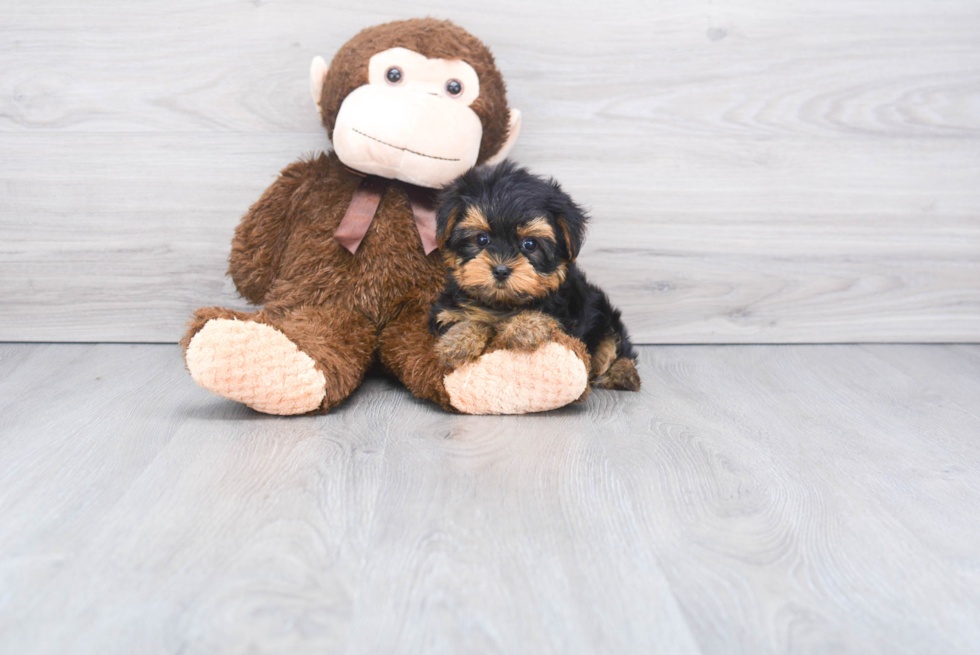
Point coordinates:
[[261, 236]]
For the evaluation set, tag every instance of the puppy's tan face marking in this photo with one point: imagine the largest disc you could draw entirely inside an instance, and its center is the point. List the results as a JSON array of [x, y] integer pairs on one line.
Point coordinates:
[[451, 259], [477, 273], [539, 227], [528, 282], [474, 220], [523, 284], [481, 242]]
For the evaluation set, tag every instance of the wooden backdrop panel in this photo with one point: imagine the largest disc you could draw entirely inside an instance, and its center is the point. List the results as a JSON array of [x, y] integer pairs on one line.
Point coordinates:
[[806, 172]]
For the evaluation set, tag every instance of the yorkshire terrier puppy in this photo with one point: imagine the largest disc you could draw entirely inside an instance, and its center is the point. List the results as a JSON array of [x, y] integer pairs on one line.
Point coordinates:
[[510, 240]]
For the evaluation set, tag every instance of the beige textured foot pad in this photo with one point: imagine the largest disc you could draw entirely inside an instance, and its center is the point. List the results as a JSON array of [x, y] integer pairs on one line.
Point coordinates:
[[255, 364], [511, 382]]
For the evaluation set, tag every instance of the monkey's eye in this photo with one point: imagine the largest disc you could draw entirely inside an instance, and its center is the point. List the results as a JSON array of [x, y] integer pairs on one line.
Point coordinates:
[[394, 75], [529, 245], [483, 239], [454, 87]]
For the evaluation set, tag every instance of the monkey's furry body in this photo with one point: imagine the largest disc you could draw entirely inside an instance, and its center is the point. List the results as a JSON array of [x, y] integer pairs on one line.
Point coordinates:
[[510, 240], [339, 249]]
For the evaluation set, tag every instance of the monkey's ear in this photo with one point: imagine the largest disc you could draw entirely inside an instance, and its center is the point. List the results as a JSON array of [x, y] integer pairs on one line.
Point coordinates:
[[513, 129], [318, 72]]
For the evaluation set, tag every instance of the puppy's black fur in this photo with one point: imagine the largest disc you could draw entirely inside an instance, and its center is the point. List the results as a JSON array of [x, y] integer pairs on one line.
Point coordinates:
[[503, 217]]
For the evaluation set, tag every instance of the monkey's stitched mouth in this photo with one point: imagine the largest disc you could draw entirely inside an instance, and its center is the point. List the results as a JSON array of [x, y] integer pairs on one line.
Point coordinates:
[[391, 145]]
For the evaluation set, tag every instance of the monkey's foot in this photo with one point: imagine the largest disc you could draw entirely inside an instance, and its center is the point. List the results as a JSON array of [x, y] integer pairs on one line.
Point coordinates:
[[514, 382], [255, 364]]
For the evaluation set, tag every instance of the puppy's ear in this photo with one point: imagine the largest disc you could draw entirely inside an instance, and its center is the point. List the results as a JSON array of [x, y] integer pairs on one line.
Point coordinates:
[[451, 206], [570, 219]]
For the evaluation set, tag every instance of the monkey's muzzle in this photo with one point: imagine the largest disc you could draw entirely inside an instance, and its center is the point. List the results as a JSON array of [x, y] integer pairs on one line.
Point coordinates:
[[407, 135]]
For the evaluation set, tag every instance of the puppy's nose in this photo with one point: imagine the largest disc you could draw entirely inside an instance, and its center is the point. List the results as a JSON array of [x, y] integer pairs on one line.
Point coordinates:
[[501, 272]]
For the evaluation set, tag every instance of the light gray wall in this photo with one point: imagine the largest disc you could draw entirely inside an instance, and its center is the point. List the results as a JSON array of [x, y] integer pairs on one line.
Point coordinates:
[[757, 171]]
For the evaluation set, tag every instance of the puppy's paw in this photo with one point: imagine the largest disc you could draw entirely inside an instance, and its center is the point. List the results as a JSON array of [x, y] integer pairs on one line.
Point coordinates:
[[463, 342], [527, 331], [621, 375]]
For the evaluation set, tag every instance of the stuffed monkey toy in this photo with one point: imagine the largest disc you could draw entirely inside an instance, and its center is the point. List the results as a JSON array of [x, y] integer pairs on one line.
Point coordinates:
[[341, 250]]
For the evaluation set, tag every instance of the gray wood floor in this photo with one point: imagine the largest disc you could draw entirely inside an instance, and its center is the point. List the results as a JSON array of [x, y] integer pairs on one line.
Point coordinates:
[[751, 499]]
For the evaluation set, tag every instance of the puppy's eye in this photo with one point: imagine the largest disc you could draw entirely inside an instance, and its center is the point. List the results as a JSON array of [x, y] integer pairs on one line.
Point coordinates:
[[483, 239], [529, 245], [454, 87], [394, 75]]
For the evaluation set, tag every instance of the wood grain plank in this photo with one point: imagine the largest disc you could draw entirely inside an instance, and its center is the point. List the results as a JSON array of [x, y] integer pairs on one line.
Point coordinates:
[[523, 519], [751, 499], [854, 256], [795, 174], [313, 534], [774, 476], [742, 68]]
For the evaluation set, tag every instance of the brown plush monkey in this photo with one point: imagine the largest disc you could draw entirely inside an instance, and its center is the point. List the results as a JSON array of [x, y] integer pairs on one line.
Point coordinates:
[[339, 248]]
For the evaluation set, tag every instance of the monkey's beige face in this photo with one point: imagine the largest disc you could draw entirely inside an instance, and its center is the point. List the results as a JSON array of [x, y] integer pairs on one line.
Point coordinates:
[[412, 121]]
